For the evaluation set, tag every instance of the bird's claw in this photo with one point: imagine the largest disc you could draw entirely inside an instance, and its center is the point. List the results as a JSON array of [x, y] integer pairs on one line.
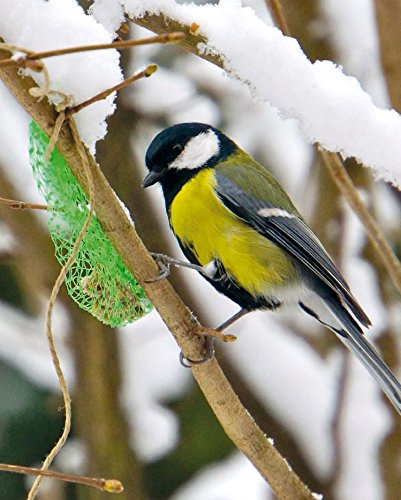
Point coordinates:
[[164, 265], [209, 354], [165, 262], [210, 335]]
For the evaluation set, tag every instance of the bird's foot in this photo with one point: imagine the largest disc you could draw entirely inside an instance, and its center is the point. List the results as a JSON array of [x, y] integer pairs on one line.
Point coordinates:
[[207, 356], [210, 335], [165, 262]]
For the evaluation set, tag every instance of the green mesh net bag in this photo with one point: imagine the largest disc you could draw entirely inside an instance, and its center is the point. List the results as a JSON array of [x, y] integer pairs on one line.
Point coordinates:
[[98, 279]]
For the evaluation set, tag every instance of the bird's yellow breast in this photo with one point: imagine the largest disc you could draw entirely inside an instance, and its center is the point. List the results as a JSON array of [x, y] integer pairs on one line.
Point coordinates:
[[211, 231]]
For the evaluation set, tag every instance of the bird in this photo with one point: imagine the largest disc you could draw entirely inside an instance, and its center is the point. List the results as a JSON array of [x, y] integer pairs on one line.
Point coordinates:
[[238, 227]]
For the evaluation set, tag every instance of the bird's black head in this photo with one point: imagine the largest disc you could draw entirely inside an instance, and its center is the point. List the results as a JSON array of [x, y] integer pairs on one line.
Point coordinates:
[[179, 152]]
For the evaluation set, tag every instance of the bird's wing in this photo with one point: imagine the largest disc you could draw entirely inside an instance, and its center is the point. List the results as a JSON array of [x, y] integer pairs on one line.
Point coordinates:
[[282, 224]]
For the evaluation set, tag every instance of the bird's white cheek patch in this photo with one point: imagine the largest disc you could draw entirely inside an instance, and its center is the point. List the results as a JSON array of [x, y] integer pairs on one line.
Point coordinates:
[[274, 212], [197, 151]]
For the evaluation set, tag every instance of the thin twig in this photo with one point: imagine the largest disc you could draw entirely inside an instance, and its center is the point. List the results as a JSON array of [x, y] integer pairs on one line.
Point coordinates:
[[54, 137], [125, 44], [59, 281], [373, 230], [11, 61], [22, 205], [108, 485], [102, 95], [274, 6], [44, 90]]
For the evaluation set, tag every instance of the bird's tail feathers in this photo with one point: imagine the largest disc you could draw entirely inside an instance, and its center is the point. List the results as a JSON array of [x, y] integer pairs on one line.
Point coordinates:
[[352, 337]]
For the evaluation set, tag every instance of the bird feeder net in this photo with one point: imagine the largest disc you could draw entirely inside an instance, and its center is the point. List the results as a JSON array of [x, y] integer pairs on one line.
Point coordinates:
[[97, 280]]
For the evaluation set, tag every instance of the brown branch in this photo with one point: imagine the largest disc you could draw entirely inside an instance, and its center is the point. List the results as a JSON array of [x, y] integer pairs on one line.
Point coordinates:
[[276, 10], [108, 485], [160, 24], [22, 205], [234, 418], [373, 230], [125, 44], [388, 16], [102, 95]]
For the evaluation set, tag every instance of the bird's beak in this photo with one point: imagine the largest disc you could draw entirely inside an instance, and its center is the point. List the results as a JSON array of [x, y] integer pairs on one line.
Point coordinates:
[[151, 178]]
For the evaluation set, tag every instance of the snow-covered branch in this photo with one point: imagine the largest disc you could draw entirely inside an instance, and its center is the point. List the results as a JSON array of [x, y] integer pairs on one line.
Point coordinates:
[[331, 108], [53, 25]]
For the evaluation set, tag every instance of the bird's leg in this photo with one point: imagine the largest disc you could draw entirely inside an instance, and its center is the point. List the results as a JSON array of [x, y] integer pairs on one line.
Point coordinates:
[[210, 335], [165, 262], [164, 267], [233, 319]]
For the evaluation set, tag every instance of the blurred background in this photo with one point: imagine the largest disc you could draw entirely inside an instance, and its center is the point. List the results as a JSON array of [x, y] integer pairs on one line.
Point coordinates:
[[137, 414]]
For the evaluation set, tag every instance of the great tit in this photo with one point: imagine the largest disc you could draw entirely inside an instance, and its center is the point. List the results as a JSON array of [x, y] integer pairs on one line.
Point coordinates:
[[232, 218]]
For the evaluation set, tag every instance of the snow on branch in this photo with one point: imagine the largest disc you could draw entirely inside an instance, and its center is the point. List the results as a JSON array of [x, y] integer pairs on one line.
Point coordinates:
[[36, 25], [331, 108]]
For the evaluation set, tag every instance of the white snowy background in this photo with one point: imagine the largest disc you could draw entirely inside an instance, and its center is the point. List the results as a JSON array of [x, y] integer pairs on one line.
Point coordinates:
[[288, 105]]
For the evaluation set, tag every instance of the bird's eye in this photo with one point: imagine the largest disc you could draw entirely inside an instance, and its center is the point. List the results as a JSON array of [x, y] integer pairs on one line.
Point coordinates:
[[178, 148]]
